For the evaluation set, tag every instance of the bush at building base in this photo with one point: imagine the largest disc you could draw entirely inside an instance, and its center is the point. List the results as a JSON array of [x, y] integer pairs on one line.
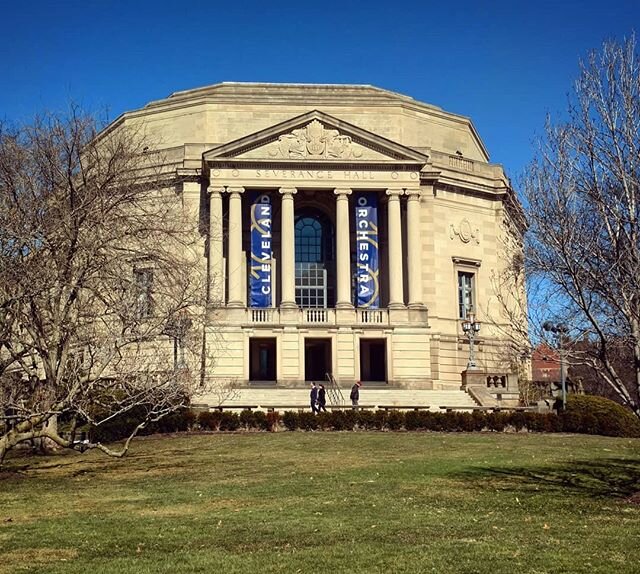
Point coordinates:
[[590, 414], [584, 414]]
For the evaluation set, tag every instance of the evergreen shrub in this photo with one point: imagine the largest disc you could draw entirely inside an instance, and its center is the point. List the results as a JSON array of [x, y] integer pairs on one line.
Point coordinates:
[[413, 421], [497, 421], [118, 427], [254, 420], [518, 421], [290, 420], [378, 420], [307, 420], [479, 420], [325, 420], [394, 420], [210, 420], [584, 414], [365, 419], [596, 415], [229, 421], [181, 420], [350, 418]]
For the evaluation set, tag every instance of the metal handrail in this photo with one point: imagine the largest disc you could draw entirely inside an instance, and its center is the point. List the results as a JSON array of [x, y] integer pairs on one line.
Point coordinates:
[[336, 397]]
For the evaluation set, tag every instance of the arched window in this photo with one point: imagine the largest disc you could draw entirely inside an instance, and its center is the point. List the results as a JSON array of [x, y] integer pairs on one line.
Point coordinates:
[[314, 259], [309, 240]]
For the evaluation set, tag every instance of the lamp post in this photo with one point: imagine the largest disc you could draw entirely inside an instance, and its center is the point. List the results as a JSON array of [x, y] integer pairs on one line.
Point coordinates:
[[471, 327], [177, 328], [559, 330]]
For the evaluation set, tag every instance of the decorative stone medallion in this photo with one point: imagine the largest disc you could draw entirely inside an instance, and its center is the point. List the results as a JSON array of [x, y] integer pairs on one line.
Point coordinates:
[[465, 232], [314, 141]]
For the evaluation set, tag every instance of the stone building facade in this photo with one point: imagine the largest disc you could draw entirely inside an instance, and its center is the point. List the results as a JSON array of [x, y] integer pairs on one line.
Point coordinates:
[[346, 229]]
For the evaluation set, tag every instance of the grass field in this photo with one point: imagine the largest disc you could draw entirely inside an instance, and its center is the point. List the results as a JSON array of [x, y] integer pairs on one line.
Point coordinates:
[[329, 502]]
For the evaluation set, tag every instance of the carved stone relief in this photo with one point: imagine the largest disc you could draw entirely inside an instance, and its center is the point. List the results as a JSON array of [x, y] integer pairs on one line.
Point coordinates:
[[465, 232], [314, 141]]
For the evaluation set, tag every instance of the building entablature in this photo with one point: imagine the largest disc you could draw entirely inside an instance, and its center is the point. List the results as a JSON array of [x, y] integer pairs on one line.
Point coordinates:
[[317, 150]]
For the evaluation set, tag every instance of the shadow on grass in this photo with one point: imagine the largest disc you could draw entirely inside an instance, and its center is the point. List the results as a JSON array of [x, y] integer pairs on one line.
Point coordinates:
[[602, 478]]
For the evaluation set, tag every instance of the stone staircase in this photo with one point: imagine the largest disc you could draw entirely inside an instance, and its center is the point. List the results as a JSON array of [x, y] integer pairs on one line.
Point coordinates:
[[266, 398]]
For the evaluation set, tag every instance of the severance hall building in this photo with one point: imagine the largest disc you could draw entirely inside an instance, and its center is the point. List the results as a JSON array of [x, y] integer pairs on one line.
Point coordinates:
[[348, 231]]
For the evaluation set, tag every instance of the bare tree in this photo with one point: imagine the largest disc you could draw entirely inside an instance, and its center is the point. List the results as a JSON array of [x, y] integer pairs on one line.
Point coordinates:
[[583, 376], [582, 197], [100, 278], [507, 308]]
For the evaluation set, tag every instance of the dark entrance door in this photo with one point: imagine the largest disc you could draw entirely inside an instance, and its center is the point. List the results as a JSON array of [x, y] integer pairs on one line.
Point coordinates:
[[317, 359], [373, 360], [262, 359]]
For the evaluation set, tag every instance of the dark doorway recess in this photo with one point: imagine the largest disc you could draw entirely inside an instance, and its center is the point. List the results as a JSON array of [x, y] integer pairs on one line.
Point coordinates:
[[373, 360], [317, 359], [262, 359]]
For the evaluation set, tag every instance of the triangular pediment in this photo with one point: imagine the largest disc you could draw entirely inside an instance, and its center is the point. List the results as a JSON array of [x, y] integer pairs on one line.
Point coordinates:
[[315, 136]]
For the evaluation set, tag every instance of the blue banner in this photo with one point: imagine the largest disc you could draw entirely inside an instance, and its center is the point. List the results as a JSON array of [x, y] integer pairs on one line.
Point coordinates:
[[261, 253], [367, 275]]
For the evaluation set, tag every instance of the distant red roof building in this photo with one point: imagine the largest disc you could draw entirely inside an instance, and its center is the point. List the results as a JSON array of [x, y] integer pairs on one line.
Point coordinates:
[[545, 364]]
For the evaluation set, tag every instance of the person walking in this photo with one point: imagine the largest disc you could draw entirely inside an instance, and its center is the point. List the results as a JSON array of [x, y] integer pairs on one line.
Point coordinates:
[[322, 399], [314, 398], [355, 394]]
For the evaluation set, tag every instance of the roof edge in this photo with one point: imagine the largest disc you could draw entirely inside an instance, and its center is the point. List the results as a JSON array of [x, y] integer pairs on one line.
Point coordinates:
[[224, 88]]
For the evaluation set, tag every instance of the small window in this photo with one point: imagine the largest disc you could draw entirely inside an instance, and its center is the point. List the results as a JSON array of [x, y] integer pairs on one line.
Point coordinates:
[[143, 283], [466, 299]]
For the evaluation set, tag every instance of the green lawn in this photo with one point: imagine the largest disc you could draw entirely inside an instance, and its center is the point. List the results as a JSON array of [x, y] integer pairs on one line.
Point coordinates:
[[329, 502]]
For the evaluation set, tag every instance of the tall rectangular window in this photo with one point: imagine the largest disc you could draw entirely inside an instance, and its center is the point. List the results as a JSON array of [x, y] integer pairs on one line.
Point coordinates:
[[466, 301], [143, 281]]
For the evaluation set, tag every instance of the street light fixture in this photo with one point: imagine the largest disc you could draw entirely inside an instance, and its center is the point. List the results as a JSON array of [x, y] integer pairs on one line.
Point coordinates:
[[177, 328], [471, 327], [559, 330]]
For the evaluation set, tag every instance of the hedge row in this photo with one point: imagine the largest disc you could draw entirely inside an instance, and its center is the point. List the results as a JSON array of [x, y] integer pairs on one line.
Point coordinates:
[[122, 426], [423, 421], [584, 414], [607, 420]]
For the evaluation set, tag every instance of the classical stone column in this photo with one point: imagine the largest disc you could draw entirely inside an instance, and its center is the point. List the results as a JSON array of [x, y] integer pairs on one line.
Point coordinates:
[[288, 249], [343, 250], [235, 246], [414, 247], [216, 260], [394, 248]]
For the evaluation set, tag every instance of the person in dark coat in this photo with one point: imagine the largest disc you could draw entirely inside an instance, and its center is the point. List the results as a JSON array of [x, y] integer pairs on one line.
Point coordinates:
[[322, 399], [314, 398], [355, 394]]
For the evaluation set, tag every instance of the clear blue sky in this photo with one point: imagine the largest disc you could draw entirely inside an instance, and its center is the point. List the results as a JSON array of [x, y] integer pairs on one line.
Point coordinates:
[[504, 63]]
